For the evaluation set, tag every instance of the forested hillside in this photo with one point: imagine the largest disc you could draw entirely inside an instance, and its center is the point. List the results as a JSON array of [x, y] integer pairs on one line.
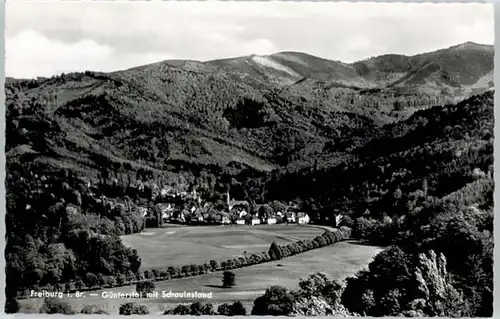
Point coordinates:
[[445, 147], [422, 185]]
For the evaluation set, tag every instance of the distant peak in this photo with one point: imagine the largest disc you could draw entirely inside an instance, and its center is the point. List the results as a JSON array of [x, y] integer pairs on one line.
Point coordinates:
[[470, 45], [293, 53], [288, 52]]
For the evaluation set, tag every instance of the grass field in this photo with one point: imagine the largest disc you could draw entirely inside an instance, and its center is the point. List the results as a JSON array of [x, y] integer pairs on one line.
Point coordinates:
[[337, 261], [178, 246]]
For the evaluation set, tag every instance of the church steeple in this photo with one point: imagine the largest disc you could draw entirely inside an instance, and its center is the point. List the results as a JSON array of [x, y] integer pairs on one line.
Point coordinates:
[[228, 200]]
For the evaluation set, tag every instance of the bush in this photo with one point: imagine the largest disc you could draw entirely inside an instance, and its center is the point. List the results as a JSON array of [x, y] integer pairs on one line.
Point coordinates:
[[228, 279], [92, 310], [265, 211], [179, 310], [51, 306], [208, 309], [345, 232], [237, 309], [110, 281], [224, 309], [132, 308], [275, 252], [195, 309], [156, 273], [145, 287], [214, 265], [277, 301]]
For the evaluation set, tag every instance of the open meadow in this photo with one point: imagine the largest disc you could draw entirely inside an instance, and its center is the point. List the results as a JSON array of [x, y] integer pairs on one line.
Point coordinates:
[[178, 246], [338, 261]]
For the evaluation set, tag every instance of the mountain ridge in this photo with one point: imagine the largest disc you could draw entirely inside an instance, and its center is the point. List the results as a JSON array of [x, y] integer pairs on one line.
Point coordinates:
[[439, 72], [288, 66]]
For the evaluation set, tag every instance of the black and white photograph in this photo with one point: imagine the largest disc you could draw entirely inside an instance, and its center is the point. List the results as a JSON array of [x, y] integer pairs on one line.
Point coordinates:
[[249, 158]]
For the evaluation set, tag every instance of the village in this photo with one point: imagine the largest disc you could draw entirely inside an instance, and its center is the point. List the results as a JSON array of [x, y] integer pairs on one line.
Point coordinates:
[[166, 205], [189, 208]]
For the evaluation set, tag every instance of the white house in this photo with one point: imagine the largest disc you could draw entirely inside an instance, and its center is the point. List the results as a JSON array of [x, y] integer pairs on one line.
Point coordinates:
[[271, 221], [255, 221], [303, 218], [226, 220], [291, 217], [242, 213]]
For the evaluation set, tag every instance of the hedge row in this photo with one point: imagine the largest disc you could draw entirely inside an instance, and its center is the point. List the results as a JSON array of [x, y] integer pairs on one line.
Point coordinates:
[[199, 309], [275, 252]]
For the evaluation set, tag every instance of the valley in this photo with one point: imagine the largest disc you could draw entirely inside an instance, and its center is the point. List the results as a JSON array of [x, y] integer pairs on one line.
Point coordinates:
[[271, 167]]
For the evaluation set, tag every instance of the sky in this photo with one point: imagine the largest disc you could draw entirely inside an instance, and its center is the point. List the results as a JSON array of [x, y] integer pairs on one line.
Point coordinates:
[[45, 38]]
